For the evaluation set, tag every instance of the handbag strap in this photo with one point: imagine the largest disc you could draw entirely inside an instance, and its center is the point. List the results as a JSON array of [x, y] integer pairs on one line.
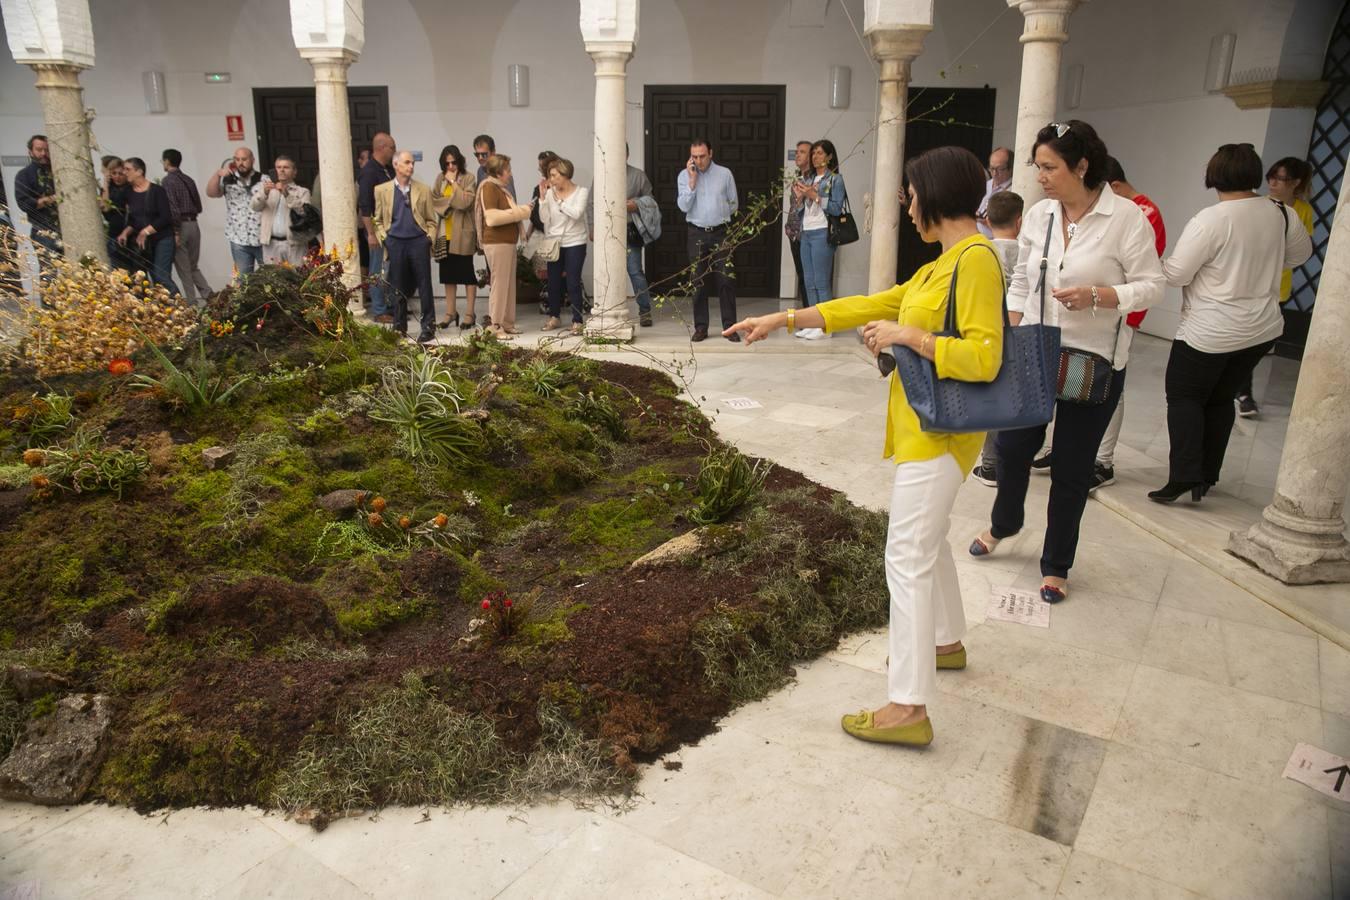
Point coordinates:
[[950, 322], [1045, 261]]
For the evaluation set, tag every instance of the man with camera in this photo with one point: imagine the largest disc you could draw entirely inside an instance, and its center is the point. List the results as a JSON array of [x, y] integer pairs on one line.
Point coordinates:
[[275, 199]]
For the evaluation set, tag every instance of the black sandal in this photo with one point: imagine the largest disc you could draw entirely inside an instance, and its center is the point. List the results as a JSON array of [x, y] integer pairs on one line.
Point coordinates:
[[466, 324], [449, 320]]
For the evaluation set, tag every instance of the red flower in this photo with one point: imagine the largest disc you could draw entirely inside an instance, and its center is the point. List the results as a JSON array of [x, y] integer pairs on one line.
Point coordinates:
[[121, 366], [487, 604], [506, 603]]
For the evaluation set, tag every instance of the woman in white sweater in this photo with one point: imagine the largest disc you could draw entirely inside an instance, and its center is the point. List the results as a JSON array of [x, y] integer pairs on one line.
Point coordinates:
[[562, 209], [1228, 264], [1101, 264]]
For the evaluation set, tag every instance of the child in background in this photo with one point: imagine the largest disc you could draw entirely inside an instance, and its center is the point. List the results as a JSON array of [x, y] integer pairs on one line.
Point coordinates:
[[1005, 221]]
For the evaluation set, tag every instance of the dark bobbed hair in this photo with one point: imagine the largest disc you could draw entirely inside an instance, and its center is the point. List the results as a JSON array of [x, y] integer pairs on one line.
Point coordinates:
[[1114, 172], [109, 159], [450, 151], [136, 163], [487, 141], [1079, 142], [1003, 209], [172, 157], [948, 182], [1295, 168], [828, 147], [1234, 167]]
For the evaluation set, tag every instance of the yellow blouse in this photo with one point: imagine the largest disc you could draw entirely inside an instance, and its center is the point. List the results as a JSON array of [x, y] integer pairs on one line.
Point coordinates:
[[1304, 212], [448, 191], [975, 356]]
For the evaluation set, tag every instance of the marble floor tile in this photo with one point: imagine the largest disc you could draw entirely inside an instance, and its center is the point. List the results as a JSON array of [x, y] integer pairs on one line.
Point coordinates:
[[1240, 734], [1187, 643], [416, 853], [1334, 661], [811, 416], [1205, 831], [1336, 734], [1339, 822], [187, 853], [744, 804], [1090, 878], [1197, 589], [884, 843], [1114, 626], [1272, 663], [24, 822], [292, 874], [1120, 571], [1064, 685], [603, 858]]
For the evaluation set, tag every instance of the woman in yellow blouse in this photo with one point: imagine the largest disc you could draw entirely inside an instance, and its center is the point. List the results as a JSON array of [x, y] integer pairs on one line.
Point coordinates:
[[945, 188], [452, 196]]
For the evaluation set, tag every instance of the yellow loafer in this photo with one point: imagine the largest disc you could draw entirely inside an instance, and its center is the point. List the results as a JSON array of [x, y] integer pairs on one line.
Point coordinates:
[[916, 734], [954, 660]]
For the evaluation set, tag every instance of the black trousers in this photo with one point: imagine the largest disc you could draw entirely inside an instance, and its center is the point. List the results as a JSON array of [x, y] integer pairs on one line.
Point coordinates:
[[1200, 388], [1078, 434], [797, 264], [711, 263], [408, 267]]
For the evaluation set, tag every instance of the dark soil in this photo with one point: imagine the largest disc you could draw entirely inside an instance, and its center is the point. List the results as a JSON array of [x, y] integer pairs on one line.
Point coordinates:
[[235, 627]]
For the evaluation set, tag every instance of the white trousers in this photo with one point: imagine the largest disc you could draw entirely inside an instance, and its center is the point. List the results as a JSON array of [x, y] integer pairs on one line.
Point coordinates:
[[926, 606], [1106, 453]]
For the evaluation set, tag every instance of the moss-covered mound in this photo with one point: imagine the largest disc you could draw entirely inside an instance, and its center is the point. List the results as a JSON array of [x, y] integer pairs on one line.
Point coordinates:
[[319, 569]]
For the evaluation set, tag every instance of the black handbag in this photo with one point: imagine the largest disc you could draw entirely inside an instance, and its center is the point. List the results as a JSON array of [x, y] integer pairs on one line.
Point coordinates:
[[1021, 396], [1084, 377], [306, 222], [843, 228]]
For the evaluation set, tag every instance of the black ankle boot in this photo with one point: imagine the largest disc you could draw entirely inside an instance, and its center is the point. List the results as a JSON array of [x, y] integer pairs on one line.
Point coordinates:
[[1174, 489]]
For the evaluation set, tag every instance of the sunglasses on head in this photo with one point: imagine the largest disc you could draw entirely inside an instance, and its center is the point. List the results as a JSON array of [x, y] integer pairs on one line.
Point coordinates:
[[1061, 129]]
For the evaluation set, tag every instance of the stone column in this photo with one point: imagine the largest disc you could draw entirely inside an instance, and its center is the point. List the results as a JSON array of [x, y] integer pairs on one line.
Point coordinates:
[[894, 49], [609, 268], [1301, 536], [335, 158], [63, 113], [1044, 31]]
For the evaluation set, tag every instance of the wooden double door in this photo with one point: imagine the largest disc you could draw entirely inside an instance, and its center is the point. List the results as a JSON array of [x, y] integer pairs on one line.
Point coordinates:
[[288, 125], [744, 124]]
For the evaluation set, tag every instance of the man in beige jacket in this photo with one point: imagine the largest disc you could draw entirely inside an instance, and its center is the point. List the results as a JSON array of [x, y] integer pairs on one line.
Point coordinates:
[[405, 222], [275, 199]]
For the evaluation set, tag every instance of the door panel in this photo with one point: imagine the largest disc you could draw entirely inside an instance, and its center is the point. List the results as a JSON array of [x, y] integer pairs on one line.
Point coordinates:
[[287, 125], [745, 126]]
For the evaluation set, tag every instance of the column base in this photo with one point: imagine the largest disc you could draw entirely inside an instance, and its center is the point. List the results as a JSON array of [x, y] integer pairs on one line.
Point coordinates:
[[1291, 557], [616, 332]]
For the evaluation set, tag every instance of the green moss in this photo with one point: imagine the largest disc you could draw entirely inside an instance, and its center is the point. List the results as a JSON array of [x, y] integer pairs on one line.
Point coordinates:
[[12, 477], [475, 583], [365, 596], [623, 524], [43, 706]]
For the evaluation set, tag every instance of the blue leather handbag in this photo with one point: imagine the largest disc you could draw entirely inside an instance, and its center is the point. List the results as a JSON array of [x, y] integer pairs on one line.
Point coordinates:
[[1022, 395]]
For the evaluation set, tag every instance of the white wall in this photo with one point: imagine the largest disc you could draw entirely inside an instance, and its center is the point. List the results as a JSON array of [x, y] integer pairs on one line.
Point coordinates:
[[445, 62]]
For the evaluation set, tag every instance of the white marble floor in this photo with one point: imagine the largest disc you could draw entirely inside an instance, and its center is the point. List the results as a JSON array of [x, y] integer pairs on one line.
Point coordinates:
[[1132, 749]]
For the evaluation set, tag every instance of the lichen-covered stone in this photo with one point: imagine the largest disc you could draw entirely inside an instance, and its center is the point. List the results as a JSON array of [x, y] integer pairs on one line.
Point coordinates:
[[217, 457], [340, 501], [56, 759], [30, 684]]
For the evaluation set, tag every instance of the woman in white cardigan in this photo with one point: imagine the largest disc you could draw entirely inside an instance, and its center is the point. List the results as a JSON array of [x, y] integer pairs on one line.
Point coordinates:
[[1101, 265], [1228, 264], [562, 209]]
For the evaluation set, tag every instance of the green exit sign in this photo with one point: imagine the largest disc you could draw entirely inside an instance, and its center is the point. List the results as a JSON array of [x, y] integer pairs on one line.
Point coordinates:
[[217, 77]]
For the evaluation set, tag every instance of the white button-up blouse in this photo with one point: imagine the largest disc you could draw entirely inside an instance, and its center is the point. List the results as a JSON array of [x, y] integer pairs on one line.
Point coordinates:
[[1114, 246]]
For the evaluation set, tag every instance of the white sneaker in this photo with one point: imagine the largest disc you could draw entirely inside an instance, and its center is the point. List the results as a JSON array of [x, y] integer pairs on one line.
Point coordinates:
[[802, 332], [815, 334]]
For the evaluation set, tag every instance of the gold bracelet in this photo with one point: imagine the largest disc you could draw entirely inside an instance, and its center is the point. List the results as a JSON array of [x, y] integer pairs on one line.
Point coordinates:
[[923, 343], [791, 320]]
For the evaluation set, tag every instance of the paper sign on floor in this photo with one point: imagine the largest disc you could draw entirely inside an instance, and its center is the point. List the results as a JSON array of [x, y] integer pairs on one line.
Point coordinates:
[[742, 403], [1021, 607], [1320, 770]]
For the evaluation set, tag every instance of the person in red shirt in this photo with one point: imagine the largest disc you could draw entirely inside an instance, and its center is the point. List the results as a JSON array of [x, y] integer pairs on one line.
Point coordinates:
[[1105, 472]]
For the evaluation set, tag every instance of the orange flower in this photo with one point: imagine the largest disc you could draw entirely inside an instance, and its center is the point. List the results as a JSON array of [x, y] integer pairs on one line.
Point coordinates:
[[34, 458], [440, 520], [39, 481], [375, 520], [377, 504], [404, 522], [121, 366]]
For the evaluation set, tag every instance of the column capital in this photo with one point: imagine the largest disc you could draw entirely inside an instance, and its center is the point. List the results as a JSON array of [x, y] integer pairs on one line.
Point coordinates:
[[610, 51], [901, 45], [1045, 20], [56, 32]]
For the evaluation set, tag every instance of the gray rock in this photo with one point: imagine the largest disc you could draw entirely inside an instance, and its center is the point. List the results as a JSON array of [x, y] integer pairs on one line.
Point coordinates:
[[30, 684], [56, 759], [217, 457], [340, 501]]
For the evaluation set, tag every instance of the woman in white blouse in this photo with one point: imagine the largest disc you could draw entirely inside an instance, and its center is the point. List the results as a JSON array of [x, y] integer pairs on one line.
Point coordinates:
[[562, 209], [1228, 264], [1101, 265]]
